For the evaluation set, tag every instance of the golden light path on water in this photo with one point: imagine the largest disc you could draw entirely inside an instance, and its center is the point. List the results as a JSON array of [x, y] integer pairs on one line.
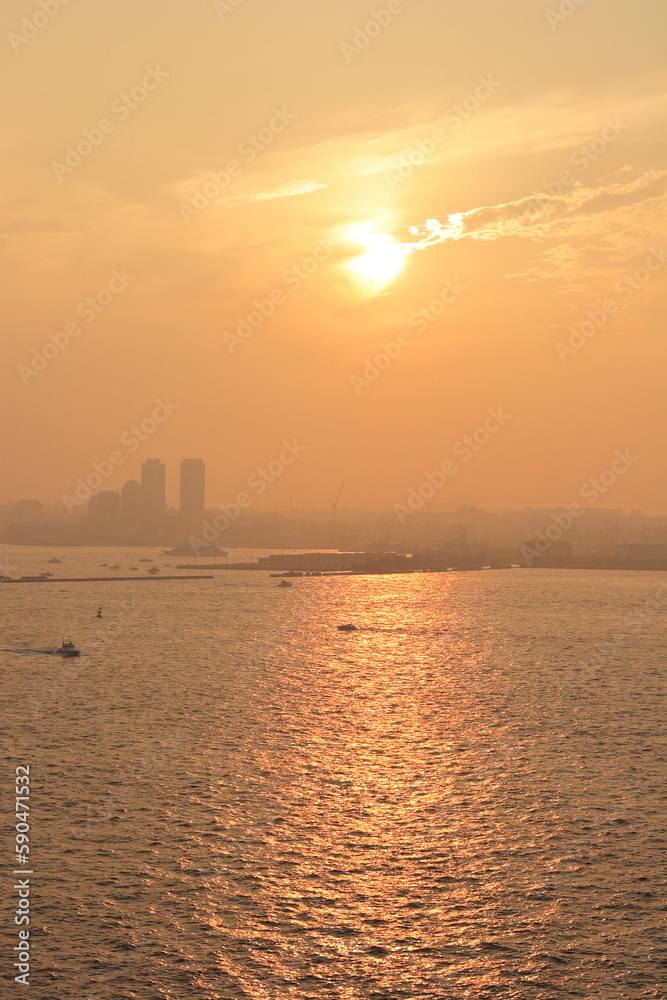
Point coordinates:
[[463, 798]]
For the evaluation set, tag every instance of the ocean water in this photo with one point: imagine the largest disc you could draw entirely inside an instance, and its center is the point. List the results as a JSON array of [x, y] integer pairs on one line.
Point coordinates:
[[232, 799]]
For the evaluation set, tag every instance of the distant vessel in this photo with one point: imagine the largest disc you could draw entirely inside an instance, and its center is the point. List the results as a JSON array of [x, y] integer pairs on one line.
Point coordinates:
[[146, 560], [68, 649], [55, 560], [191, 550], [99, 611], [116, 566], [285, 583], [134, 567], [153, 570], [347, 628]]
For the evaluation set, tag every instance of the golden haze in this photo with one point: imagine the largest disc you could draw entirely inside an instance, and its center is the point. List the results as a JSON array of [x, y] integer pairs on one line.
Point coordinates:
[[535, 149]]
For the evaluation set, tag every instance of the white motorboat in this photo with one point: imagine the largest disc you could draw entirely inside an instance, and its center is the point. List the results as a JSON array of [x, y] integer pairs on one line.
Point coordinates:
[[68, 649]]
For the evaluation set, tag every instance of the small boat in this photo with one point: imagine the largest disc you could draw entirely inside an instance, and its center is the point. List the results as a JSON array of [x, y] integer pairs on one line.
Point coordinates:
[[68, 649], [99, 612], [55, 560], [285, 583], [153, 570], [347, 628], [134, 567], [146, 560], [104, 564], [116, 566]]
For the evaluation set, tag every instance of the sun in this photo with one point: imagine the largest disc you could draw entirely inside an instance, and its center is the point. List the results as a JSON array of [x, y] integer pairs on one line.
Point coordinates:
[[383, 259]]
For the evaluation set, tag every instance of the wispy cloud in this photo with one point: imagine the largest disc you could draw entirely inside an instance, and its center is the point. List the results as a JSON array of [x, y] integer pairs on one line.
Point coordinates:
[[291, 190], [542, 216]]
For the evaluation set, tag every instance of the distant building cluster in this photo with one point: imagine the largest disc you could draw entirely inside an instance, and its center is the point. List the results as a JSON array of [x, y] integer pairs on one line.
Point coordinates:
[[466, 536], [144, 503]]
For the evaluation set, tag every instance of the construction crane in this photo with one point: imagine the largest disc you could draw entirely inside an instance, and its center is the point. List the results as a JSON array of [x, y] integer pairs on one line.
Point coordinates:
[[334, 505]]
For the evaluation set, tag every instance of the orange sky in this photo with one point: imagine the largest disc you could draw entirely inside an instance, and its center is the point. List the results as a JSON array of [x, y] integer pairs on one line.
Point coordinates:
[[534, 141]]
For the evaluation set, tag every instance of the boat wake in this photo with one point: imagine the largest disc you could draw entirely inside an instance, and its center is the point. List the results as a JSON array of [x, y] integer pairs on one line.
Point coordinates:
[[53, 651]]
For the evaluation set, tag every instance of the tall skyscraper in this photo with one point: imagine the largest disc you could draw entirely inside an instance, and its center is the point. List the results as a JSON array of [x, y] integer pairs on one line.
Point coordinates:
[[193, 487], [153, 488]]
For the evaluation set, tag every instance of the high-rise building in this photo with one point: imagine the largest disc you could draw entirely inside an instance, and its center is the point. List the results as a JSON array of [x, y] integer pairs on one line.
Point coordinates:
[[104, 508], [193, 488], [153, 489], [132, 503]]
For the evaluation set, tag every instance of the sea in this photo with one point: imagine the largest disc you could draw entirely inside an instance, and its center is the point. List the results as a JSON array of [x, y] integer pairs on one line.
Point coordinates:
[[231, 798]]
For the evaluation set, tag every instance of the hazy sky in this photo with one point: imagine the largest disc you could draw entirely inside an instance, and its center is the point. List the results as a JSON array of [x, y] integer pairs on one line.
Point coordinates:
[[532, 139]]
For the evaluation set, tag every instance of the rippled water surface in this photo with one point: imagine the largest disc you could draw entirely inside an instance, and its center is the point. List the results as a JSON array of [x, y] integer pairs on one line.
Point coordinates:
[[465, 798]]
